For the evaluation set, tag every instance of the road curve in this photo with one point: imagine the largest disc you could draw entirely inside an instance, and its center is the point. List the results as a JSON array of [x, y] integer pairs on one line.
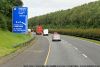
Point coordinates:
[[90, 49], [70, 51], [65, 53]]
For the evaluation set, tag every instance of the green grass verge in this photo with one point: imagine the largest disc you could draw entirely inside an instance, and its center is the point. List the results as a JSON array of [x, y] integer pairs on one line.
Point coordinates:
[[90, 40], [92, 35], [8, 40], [85, 33]]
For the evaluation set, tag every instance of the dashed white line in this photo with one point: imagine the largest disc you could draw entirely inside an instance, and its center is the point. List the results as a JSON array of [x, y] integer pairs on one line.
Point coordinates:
[[76, 48], [84, 55]]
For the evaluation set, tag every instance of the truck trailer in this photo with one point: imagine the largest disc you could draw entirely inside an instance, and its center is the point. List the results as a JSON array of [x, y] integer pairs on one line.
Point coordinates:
[[39, 30]]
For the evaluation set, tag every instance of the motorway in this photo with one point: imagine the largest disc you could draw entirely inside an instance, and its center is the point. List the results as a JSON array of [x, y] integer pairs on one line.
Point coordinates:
[[70, 51]]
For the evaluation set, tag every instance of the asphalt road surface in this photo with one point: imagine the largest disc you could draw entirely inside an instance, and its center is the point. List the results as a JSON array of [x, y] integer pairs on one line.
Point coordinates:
[[35, 55], [70, 51], [73, 51]]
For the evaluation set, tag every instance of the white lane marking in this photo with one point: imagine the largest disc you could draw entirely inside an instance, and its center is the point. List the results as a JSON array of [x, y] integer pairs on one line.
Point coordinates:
[[48, 53], [69, 44], [79, 38], [84, 55], [76, 48]]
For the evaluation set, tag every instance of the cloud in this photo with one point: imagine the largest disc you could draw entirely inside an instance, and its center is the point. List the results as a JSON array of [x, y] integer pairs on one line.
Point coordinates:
[[40, 7]]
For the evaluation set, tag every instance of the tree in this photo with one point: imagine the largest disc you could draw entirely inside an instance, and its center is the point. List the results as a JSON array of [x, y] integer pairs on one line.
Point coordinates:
[[84, 16], [6, 11]]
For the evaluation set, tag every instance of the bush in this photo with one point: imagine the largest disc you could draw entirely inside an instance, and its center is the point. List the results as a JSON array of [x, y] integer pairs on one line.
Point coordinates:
[[86, 33]]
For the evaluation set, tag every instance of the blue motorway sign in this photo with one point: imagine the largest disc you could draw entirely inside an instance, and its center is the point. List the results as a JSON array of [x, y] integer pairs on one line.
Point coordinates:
[[19, 19]]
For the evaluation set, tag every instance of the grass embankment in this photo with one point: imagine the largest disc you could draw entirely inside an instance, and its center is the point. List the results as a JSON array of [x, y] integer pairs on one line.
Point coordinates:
[[85, 33], [8, 40], [91, 40]]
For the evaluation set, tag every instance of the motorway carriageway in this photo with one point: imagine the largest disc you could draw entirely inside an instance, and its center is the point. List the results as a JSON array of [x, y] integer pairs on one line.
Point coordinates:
[[68, 51]]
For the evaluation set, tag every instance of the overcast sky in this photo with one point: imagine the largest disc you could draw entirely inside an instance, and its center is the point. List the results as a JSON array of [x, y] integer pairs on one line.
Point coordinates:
[[40, 7]]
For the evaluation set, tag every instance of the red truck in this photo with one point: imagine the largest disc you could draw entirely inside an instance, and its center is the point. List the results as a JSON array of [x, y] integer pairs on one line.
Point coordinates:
[[39, 30]]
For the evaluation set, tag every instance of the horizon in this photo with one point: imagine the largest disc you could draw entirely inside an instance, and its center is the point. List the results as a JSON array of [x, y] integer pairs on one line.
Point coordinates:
[[37, 9]]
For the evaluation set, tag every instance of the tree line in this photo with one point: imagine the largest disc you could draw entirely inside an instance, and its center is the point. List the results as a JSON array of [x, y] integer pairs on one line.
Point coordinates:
[[84, 16], [6, 13]]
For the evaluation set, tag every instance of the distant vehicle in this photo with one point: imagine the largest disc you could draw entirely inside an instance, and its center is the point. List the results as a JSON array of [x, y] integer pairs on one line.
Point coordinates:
[[39, 30], [45, 32], [56, 37], [29, 30]]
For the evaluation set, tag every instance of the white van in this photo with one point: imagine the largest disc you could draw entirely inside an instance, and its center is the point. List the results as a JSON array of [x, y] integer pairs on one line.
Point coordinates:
[[45, 32]]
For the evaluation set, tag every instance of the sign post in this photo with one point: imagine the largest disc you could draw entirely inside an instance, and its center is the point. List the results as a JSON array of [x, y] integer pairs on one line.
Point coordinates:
[[19, 19]]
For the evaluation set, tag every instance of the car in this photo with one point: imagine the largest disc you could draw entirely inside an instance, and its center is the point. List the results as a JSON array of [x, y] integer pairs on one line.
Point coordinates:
[[56, 37], [45, 32]]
